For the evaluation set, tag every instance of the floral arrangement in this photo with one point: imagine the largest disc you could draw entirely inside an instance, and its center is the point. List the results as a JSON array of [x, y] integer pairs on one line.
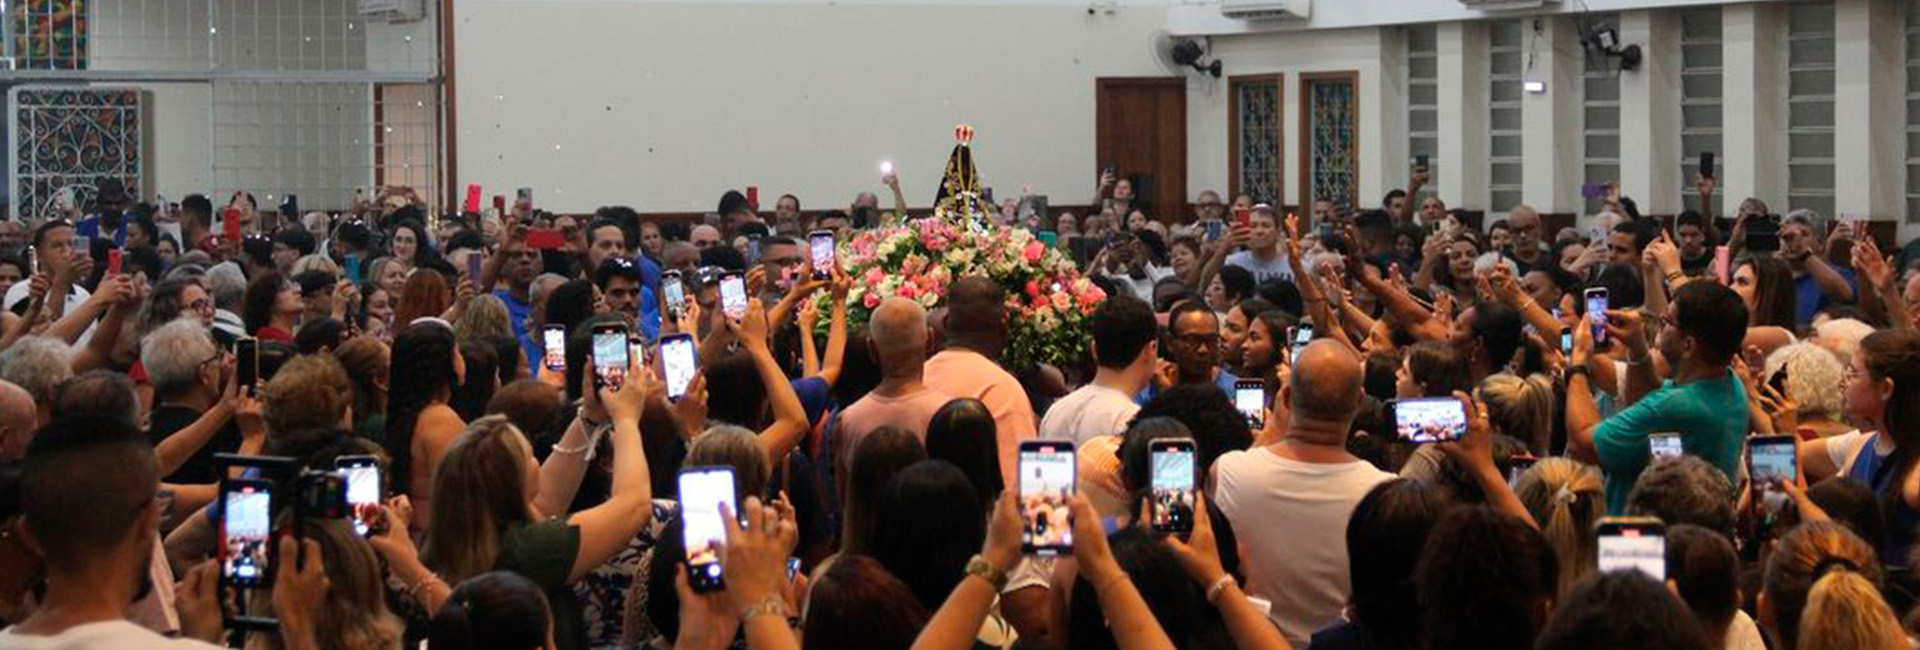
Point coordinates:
[[1050, 304]]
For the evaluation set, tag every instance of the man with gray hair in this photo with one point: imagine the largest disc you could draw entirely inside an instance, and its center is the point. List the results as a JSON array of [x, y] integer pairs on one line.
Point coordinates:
[[228, 284], [1816, 282], [186, 371], [18, 420], [38, 364], [1684, 490], [897, 339]]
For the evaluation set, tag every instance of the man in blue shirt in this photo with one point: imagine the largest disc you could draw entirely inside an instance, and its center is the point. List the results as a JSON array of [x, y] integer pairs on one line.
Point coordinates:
[[1701, 399], [516, 266], [1193, 341], [1816, 283]]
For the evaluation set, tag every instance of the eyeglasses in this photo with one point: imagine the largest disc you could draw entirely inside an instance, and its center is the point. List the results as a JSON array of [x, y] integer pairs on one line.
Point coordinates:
[[203, 305]]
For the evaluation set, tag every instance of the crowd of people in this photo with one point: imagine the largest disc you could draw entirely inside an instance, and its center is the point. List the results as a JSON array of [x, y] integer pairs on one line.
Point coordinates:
[[153, 357]]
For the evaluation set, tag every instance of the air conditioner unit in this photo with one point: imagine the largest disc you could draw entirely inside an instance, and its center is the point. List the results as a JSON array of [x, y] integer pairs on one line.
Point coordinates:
[[1265, 9], [1503, 5], [394, 11]]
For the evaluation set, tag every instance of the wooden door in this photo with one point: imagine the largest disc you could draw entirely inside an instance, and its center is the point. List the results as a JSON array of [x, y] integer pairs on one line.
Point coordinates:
[[1140, 127]]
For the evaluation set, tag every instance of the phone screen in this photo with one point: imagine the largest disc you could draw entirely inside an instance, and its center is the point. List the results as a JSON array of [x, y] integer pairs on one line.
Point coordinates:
[[1639, 547], [1664, 445], [822, 246], [1430, 419], [610, 356], [352, 264], [1250, 397], [678, 363], [1770, 461], [1597, 314], [473, 268], [246, 353], [1302, 335], [1172, 472], [733, 295], [363, 493], [1046, 483], [246, 531], [1566, 340], [702, 490], [676, 293], [554, 339]]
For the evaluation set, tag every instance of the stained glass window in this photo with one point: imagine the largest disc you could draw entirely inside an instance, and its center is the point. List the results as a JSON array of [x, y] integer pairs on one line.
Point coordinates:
[[48, 34], [75, 137], [1257, 108], [1333, 168]]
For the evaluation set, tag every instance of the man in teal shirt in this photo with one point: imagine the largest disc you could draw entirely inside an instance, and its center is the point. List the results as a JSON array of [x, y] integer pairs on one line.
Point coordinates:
[[1701, 399]]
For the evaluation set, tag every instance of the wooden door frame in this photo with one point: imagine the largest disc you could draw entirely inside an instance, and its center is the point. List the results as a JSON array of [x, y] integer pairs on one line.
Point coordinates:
[[1307, 79], [1233, 133], [1100, 86]]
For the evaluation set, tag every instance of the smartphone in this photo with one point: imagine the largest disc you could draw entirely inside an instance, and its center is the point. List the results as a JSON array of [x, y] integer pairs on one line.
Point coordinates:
[[113, 261], [610, 356], [637, 349], [473, 269], [246, 532], [733, 294], [753, 249], [1706, 164], [33, 260], [793, 567], [1593, 190], [82, 247], [1173, 477], [1723, 263], [1047, 481], [1300, 335], [678, 362], [364, 493], [1250, 397], [352, 264], [499, 205], [1779, 381], [702, 491], [1215, 227], [1771, 459], [246, 357], [1048, 238], [1597, 314], [1243, 216], [1420, 161], [553, 339], [1429, 419], [1633, 543], [1566, 341], [523, 199], [545, 239], [1664, 444], [821, 243], [473, 198], [753, 197], [230, 224], [1517, 467], [675, 291]]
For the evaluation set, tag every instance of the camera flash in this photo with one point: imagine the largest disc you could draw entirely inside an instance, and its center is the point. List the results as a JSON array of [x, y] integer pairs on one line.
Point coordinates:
[[886, 167]]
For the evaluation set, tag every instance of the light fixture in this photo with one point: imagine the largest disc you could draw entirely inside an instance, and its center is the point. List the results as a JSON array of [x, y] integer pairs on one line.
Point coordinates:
[[1534, 86]]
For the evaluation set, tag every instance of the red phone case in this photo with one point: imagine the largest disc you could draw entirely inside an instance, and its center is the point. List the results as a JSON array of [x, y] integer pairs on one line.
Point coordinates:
[[499, 204], [545, 239], [753, 196], [473, 198], [1244, 216], [113, 261], [230, 222]]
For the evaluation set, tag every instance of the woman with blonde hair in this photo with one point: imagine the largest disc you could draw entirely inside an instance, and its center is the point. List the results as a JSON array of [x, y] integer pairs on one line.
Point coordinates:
[[484, 319], [1520, 408], [1566, 497], [1826, 561], [354, 615]]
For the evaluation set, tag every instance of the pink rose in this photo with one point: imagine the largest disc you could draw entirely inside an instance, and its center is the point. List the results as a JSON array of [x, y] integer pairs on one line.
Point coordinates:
[[871, 301], [1035, 250], [907, 291], [875, 275], [1033, 288]]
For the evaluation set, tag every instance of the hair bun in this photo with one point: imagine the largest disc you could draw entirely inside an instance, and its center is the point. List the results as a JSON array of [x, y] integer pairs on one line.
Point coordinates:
[[1830, 563]]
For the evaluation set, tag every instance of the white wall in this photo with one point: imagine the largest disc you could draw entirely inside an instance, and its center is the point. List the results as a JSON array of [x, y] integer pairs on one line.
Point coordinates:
[[664, 106]]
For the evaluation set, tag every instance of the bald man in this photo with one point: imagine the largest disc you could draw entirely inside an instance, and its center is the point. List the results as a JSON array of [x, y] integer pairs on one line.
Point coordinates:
[[1290, 500], [897, 338], [18, 418], [704, 237], [976, 333], [1526, 249]]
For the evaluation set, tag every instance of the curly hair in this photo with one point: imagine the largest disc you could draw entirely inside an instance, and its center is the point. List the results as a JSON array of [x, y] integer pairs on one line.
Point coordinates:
[[1814, 378], [421, 367]]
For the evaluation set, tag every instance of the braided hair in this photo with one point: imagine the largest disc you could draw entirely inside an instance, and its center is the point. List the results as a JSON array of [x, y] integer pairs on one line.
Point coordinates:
[[422, 366]]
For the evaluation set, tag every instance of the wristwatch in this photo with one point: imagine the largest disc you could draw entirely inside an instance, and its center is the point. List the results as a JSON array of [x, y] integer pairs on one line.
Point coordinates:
[[1575, 369], [979, 566]]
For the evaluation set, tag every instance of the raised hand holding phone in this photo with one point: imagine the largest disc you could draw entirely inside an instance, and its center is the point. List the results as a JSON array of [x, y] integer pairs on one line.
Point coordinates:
[[756, 553]]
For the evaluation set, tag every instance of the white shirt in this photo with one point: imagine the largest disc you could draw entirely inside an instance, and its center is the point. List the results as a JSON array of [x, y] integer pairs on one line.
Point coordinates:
[[75, 297], [1088, 413], [1742, 634], [1263, 271], [1142, 288], [1291, 519], [108, 635]]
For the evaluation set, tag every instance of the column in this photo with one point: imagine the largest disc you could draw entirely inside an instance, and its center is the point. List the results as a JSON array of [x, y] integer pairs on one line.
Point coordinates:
[[1755, 107], [1462, 60], [1650, 112], [1869, 104], [1551, 178]]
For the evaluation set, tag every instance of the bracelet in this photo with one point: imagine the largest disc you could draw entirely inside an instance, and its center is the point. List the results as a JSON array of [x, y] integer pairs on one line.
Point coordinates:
[[417, 590], [1213, 591], [979, 566], [1576, 369], [772, 605], [572, 451]]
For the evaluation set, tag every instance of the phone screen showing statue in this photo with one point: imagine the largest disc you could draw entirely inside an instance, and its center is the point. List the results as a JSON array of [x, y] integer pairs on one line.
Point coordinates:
[[1172, 487], [1046, 485], [246, 530], [610, 358], [702, 491], [677, 362], [363, 496], [1772, 463]]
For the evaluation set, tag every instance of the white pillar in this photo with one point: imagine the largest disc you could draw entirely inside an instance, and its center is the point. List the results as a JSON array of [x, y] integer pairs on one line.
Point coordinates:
[[1550, 178], [1650, 112], [1869, 108], [1384, 163], [1754, 125], [1461, 54]]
